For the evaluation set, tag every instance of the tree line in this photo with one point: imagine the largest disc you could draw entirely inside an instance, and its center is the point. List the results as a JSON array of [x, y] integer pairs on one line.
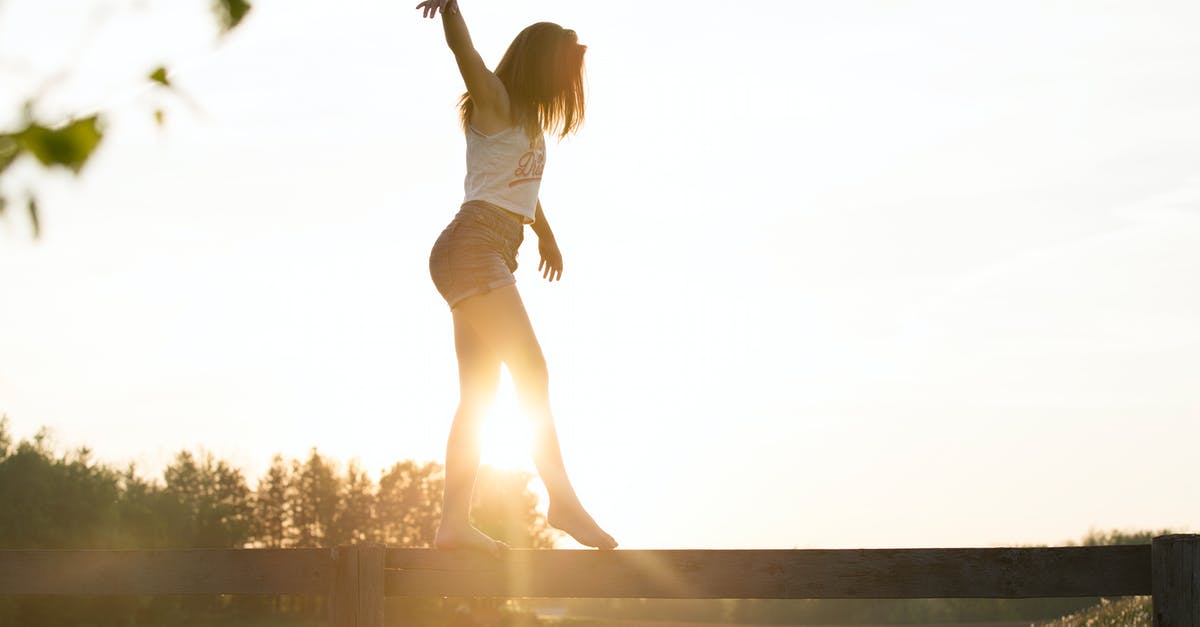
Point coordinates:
[[52, 500]]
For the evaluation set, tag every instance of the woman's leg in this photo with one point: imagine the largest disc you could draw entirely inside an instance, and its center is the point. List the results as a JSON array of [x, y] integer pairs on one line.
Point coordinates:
[[499, 319], [478, 376]]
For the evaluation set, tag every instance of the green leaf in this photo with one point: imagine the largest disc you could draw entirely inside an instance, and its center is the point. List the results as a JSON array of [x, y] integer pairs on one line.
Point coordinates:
[[230, 13], [3, 204], [159, 75], [9, 149], [33, 217], [68, 146]]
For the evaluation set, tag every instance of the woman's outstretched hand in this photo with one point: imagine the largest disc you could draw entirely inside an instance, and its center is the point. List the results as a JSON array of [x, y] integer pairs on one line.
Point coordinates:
[[432, 7], [551, 264]]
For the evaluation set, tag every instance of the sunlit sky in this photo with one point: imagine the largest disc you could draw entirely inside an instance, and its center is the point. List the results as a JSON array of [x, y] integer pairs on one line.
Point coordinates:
[[837, 274]]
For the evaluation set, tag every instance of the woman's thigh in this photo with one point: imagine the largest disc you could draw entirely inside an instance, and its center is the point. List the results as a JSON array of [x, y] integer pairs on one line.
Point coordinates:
[[478, 365], [499, 319]]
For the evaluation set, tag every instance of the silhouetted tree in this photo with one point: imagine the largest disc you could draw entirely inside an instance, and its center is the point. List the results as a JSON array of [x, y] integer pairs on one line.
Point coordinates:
[[211, 502], [313, 499], [505, 508], [355, 517], [409, 503], [51, 502], [142, 524], [271, 511]]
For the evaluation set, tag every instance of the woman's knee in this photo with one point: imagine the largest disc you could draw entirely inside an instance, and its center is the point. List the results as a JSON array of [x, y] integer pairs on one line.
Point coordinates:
[[471, 410], [529, 368]]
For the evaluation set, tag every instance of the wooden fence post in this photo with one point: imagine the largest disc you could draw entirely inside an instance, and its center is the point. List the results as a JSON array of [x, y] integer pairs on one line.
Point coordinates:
[[356, 598], [370, 585], [343, 597], [1175, 580]]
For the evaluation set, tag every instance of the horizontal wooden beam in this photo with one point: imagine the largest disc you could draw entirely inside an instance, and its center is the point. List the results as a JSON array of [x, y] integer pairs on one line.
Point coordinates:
[[795, 574], [199, 571]]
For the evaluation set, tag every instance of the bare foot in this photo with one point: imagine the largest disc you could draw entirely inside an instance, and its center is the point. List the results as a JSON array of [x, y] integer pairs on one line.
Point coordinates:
[[467, 537], [579, 524]]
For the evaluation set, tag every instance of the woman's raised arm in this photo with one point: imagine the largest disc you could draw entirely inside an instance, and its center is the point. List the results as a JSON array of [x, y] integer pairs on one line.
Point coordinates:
[[487, 92]]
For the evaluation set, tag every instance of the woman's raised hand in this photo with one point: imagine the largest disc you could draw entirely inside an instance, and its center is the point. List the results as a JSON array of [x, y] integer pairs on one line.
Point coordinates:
[[432, 7]]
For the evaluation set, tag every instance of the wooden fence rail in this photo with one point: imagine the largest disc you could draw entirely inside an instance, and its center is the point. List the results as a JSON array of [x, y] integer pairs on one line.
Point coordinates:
[[358, 577]]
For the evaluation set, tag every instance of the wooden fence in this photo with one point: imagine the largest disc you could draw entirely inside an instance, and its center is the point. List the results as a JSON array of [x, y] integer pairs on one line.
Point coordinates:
[[358, 577]]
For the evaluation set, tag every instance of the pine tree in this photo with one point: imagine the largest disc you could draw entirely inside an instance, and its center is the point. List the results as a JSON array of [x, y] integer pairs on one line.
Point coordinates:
[[271, 515]]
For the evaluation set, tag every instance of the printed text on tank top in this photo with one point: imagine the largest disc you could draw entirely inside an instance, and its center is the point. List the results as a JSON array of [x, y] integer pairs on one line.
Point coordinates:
[[530, 166]]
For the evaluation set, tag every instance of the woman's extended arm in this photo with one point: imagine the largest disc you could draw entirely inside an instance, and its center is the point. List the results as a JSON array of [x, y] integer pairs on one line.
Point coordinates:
[[551, 264], [487, 92]]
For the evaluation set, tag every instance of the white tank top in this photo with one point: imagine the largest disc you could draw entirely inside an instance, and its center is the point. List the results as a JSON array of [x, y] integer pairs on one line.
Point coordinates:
[[505, 170]]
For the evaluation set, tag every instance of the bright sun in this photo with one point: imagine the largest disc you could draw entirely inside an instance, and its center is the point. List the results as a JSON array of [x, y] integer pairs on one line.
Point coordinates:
[[507, 436]]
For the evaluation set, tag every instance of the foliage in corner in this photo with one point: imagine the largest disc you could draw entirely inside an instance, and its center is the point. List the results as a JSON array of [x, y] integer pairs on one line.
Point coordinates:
[[70, 145], [230, 13], [159, 75]]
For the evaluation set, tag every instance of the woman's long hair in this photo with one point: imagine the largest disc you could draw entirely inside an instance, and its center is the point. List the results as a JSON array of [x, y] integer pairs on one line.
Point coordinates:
[[543, 73]]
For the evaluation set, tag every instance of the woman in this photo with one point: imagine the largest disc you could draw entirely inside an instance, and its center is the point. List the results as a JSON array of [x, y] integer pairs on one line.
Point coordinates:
[[536, 88]]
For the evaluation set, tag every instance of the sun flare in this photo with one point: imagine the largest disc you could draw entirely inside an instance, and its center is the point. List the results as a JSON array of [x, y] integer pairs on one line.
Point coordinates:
[[507, 436]]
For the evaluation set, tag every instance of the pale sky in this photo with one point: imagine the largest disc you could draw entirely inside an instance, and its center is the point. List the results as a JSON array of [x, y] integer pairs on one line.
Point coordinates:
[[837, 274]]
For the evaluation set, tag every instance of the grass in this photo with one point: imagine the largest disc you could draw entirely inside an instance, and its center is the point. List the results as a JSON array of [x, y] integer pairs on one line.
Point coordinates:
[[1123, 612]]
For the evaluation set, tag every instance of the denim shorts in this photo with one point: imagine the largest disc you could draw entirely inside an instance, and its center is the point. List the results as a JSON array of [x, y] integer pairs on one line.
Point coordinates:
[[477, 252]]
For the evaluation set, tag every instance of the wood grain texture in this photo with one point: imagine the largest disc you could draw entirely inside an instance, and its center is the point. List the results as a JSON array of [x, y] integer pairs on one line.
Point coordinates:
[[370, 582], [343, 595], [200, 571], [1176, 579], [795, 574], [861, 573]]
